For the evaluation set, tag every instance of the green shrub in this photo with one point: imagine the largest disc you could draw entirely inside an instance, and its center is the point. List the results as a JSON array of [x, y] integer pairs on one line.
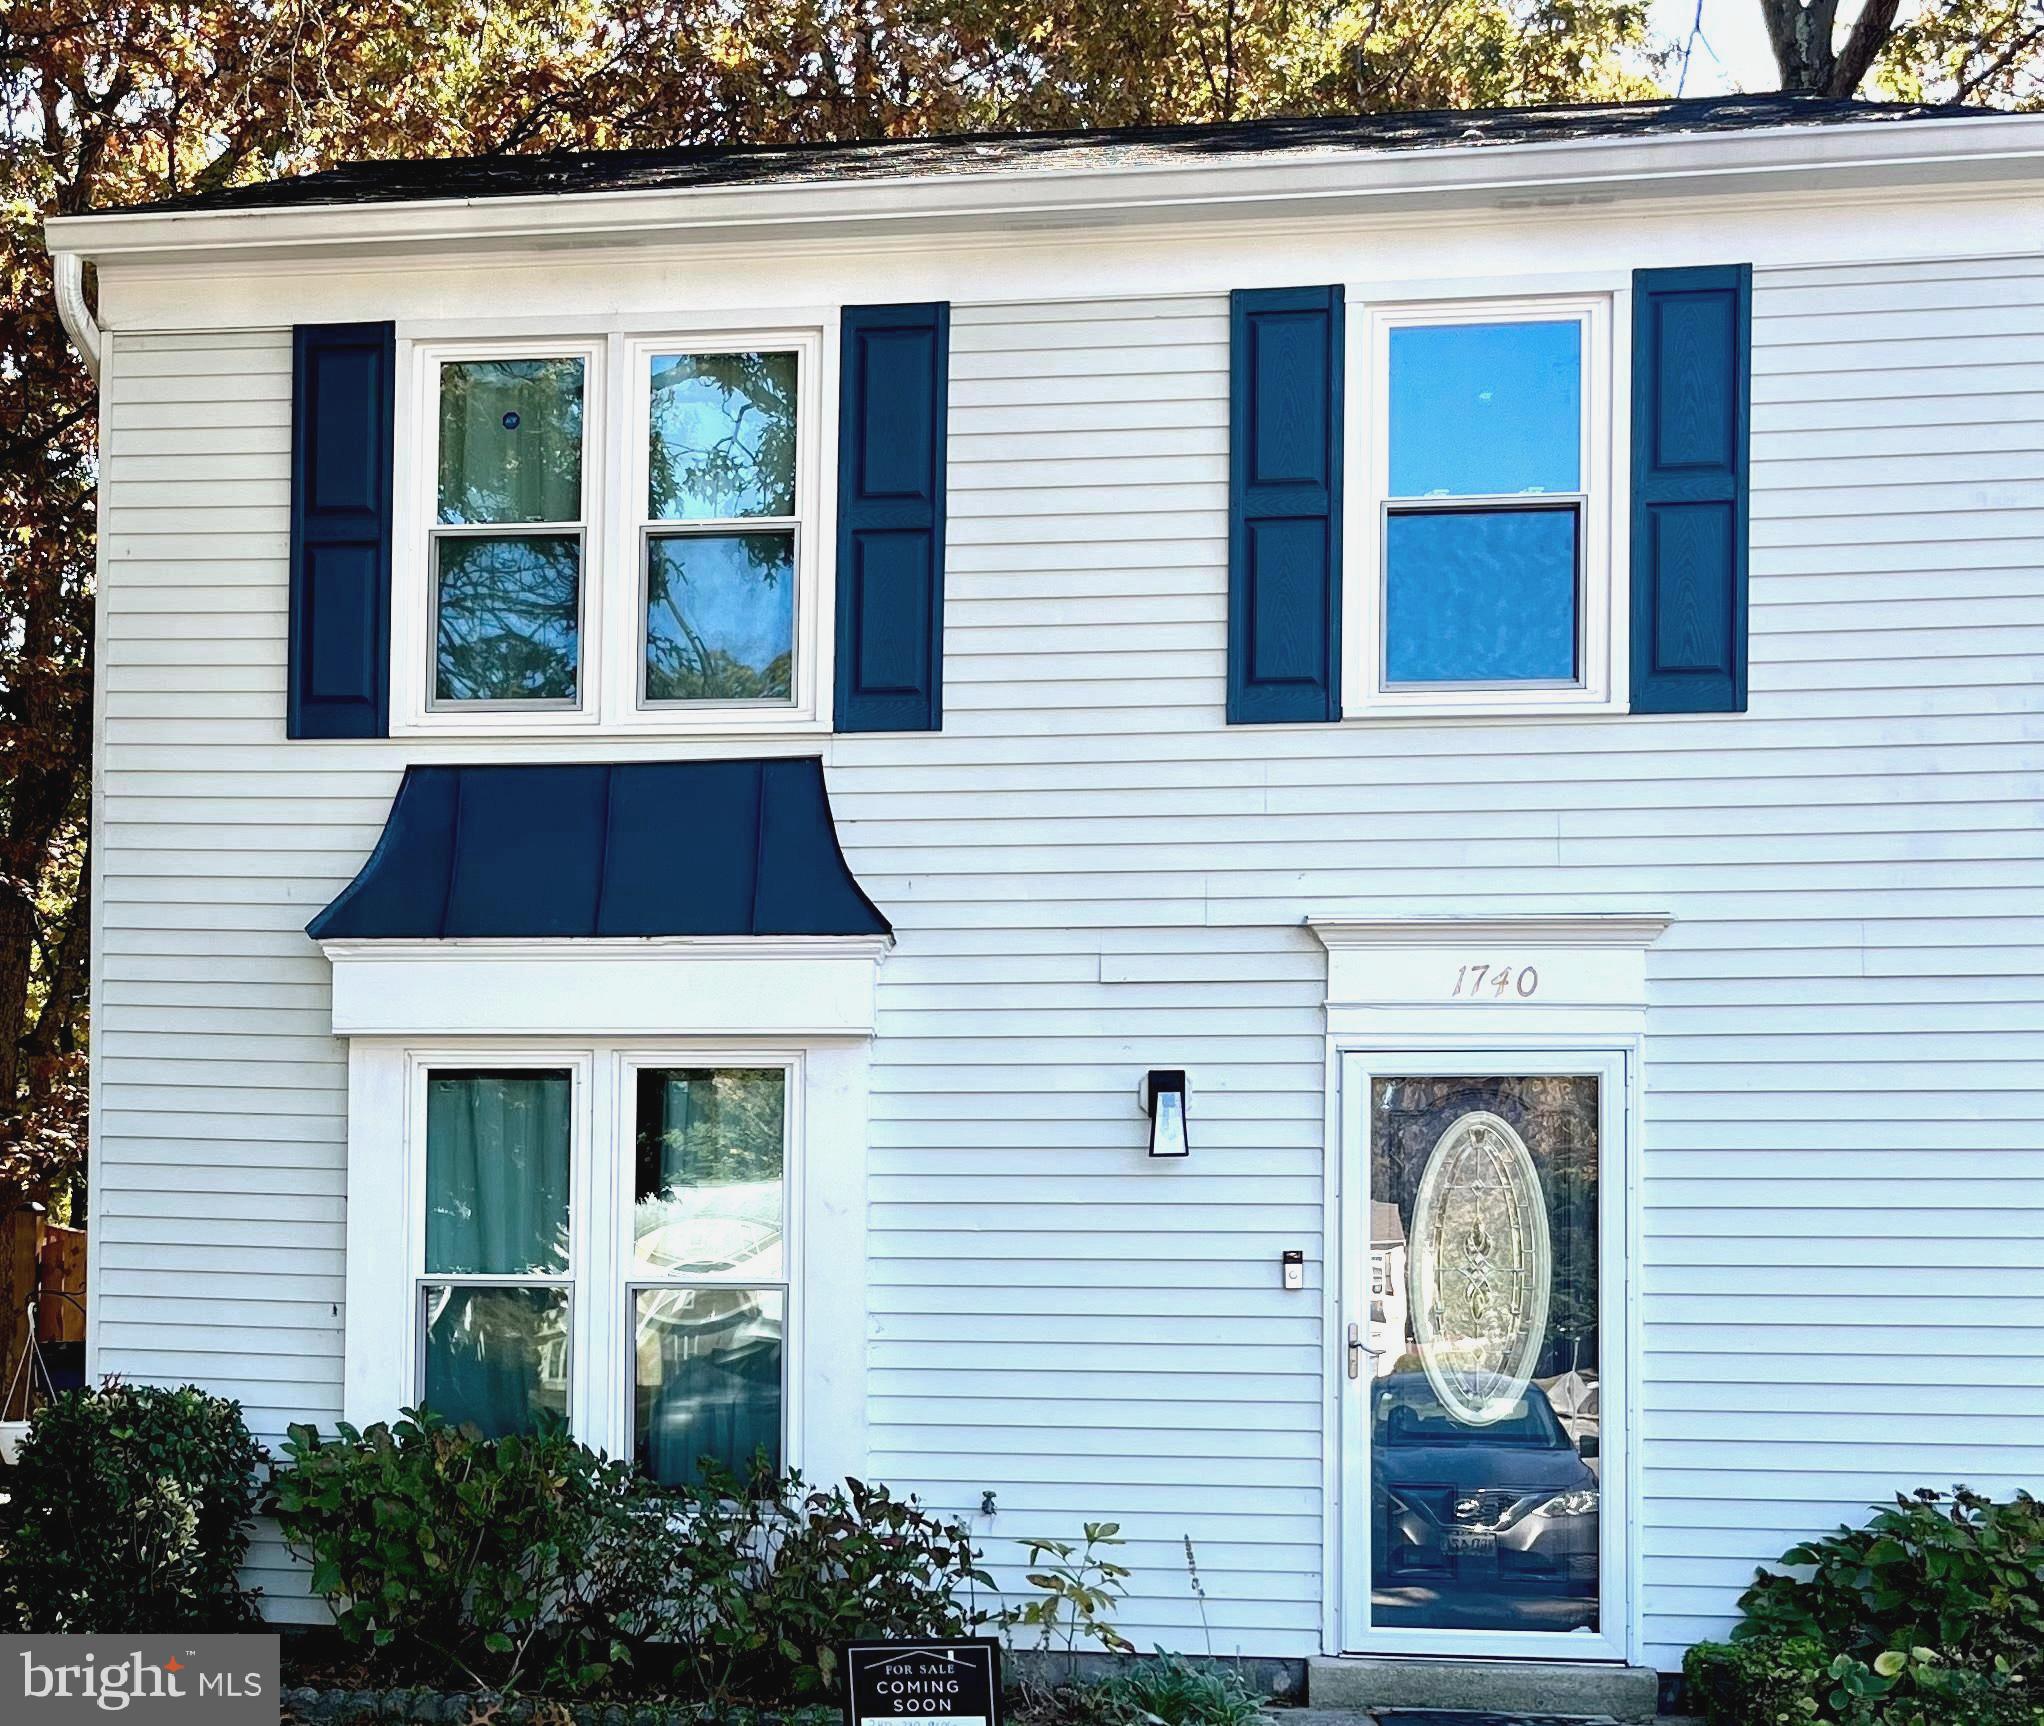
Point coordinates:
[[1767, 1681], [1762, 1682], [1170, 1690], [533, 1563], [1930, 1615], [1964, 1575], [444, 1555], [755, 1584], [129, 1509]]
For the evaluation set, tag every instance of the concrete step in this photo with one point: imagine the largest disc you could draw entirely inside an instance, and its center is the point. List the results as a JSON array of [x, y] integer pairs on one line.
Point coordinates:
[[1509, 1689]]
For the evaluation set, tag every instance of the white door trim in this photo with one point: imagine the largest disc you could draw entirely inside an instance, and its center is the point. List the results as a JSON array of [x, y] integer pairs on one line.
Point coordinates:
[[1349, 1510], [1400, 985]]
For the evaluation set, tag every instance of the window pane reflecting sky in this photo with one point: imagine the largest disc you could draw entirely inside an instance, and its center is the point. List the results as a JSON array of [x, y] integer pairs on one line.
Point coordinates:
[[1485, 408], [1480, 596]]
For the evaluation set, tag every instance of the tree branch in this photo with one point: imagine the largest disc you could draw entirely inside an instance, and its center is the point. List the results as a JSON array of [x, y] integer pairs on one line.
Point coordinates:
[[1870, 33]]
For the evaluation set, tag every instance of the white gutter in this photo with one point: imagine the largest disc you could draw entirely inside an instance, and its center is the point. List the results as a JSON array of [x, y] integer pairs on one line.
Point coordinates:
[[1975, 149], [72, 311]]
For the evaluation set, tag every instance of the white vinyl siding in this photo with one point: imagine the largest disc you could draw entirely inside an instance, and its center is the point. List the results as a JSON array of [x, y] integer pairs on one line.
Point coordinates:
[[1090, 874]]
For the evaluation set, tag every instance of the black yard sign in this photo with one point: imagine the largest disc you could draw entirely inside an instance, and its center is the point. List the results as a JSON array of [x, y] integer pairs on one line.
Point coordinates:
[[946, 1683]]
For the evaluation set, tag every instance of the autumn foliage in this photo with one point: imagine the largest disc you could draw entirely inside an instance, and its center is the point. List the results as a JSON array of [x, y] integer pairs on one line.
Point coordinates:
[[109, 102]]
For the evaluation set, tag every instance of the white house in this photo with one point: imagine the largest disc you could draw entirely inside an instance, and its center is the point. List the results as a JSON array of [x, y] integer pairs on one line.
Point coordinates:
[[1492, 662]]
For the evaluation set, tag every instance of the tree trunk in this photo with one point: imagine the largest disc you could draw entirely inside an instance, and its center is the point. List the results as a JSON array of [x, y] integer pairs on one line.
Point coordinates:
[[1801, 33]]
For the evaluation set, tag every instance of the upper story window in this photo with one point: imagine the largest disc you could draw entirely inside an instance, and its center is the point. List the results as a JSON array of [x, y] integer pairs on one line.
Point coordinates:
[[617, 533], [1484, 561], [718, 539], [507, 538]]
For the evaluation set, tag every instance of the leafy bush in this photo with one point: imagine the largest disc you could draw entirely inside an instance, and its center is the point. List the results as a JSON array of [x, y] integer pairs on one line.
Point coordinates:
[[1170, 1690], [1774, 1682], [1078, 1589], [129, 1509], [534, 1563], [1964, 1575], [757, 1583], [1933, 1613], [442, 1553]]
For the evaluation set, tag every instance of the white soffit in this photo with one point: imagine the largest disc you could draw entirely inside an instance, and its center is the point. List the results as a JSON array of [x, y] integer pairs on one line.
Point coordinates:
[[760, 986]]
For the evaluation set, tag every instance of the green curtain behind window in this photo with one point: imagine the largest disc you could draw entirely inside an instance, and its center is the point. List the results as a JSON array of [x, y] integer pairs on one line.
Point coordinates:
[[496, 1357], [497, 1173], [497, 1146], [709, 1379]]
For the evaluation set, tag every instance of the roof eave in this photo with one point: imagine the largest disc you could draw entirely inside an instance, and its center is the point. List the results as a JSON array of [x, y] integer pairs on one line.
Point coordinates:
[[1971, 149]]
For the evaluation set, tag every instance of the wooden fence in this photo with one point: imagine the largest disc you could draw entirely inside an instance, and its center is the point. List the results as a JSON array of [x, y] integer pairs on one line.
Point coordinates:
[[42, 1261]]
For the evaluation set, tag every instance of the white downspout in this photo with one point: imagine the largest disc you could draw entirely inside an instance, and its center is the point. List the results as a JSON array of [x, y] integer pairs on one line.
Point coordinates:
[[75, 314]]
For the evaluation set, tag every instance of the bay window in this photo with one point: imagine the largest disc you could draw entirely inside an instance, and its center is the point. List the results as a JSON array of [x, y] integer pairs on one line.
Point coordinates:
[[606, 1234], [1481, 573]]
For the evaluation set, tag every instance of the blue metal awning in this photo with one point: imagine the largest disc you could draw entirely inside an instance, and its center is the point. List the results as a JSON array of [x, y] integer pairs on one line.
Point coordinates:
[[595, 849]]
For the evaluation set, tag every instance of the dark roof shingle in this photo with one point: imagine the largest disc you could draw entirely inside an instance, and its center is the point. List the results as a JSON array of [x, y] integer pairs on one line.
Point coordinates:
[[768, 164]]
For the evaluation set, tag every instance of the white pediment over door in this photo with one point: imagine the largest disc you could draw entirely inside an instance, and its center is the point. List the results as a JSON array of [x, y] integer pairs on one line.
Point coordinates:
[[1505, 976]]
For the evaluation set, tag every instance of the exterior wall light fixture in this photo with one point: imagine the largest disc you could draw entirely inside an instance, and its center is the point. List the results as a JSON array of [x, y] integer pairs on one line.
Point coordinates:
[[1164, 1102]]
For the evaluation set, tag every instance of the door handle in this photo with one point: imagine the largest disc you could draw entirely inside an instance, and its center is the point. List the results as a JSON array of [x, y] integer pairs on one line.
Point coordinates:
[[1357, 1348]]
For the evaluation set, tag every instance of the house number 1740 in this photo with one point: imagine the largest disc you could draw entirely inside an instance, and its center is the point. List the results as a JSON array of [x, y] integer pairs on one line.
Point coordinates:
[[1499, 979]]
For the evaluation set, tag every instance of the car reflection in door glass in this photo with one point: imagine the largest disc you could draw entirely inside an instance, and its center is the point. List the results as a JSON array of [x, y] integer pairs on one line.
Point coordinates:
[[1492, 1526]]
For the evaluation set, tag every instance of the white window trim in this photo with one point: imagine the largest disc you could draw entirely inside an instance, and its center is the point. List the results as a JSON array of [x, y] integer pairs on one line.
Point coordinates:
[[415, 504], [823, 1407], [604, 1008], [579, 1064], [626, 1284], [682, 985], [614, 463], [1602, 611]]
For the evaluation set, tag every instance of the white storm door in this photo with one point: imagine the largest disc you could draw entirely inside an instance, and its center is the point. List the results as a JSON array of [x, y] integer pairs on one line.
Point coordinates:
[[1481, 1353]]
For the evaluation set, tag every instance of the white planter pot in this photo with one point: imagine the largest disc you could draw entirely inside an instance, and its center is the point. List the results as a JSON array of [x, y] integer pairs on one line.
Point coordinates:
[[12, 1433]]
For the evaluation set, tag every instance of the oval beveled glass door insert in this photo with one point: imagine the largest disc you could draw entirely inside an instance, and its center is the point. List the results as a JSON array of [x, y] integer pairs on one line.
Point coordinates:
[[1481, 1268]]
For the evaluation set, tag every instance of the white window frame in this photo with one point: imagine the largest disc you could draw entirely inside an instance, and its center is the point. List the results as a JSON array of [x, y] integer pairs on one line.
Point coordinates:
[[414, 619], [600, 1280], [615, 457], [627, 699], [628, 1283], [420, 1065], [1600, 598]]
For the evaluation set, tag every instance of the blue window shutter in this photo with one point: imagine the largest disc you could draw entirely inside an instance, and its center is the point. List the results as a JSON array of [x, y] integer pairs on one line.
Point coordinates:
[[1692, 344], [1284, 506], [342, 381], [896, 364]]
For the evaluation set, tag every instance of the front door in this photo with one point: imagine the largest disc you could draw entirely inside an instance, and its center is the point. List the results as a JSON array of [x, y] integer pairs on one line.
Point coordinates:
[[1481, 1343]]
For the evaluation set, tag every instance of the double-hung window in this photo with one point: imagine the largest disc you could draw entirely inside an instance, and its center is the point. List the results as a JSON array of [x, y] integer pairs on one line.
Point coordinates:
[[507, 549], [1484, 563], [708, 1276], [663, 1334], [620, 532], [721, 526], [496, 1285]]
